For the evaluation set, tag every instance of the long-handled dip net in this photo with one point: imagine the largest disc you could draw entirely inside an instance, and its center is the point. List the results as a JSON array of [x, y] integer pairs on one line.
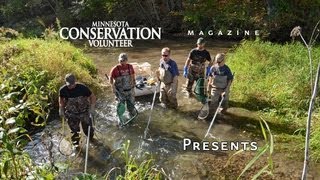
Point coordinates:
[[204, 111], [214, 117], [65, 143]]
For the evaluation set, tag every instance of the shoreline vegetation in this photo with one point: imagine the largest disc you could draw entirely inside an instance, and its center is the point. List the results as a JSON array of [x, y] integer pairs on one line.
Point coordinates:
[[281, 92], [273, 18], [33, 69]]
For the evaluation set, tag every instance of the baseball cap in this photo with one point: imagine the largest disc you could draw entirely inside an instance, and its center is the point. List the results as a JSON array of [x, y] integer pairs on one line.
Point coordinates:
[[122, 57], [70, 79], [201, 41], [220, 57]]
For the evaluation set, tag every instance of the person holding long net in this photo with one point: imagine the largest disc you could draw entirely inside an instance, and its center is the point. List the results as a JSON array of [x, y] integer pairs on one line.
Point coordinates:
[[168, 75], [194, 68], [220, 79], [122, 80], [76, 104]]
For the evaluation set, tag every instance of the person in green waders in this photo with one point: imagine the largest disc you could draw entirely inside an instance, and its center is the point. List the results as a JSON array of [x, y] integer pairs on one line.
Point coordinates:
[[194, 68], [220, 79], [122, 79], [168, 75]]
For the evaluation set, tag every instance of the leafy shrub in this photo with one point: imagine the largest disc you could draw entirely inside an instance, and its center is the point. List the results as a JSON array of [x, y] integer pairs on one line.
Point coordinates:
[[25, 94]]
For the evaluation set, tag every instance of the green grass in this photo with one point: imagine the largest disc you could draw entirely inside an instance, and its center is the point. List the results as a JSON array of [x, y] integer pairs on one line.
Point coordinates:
[[267, 148], [315, 134], [137, 170], [274, 80], [56, 57], [272, 76]]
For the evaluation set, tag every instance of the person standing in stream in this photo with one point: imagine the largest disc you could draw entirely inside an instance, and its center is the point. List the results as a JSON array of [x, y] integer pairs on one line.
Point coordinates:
[[122, 79], [168, 75], [76, 104], [194, 68], [220, 79]]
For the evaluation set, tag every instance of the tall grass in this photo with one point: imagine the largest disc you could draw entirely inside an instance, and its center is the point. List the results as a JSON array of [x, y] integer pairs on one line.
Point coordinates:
[[297, 32], [315, 143], [267, 148], [56, 57], [135, 170], [272, 77]]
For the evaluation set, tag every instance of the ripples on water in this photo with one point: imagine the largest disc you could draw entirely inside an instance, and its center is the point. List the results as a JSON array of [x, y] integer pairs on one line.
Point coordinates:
[[167, 128], [166, 131]]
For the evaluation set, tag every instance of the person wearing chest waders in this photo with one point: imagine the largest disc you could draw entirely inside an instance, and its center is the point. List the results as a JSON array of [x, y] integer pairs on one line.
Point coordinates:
[[122, 79], [220, 79], [76, 104], [168, 75], [194, 68]]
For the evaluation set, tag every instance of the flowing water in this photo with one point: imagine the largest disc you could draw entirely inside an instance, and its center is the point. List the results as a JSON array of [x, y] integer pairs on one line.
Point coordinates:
[[166, 132]]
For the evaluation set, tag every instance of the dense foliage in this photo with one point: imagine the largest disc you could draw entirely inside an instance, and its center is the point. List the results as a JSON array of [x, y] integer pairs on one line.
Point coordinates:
[[31, 72], [274, 18]]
